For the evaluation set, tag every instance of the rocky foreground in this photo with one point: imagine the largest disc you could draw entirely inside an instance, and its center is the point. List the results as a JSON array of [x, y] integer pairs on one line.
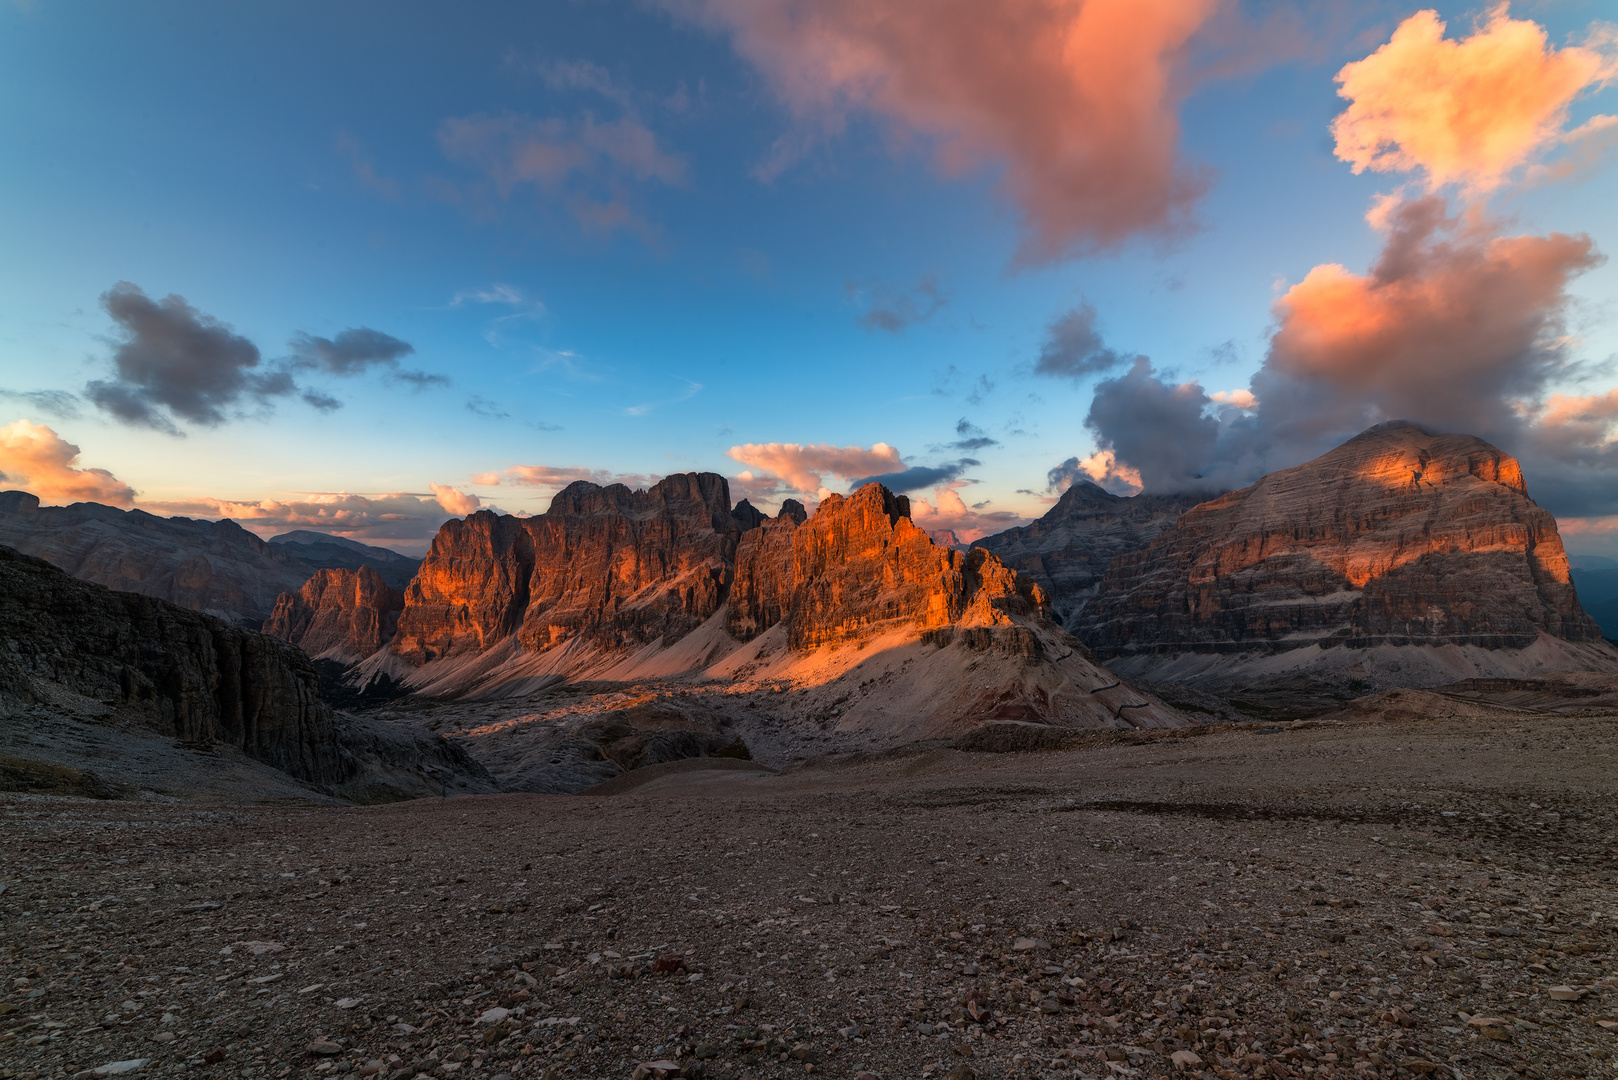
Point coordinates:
[[1329, 900]]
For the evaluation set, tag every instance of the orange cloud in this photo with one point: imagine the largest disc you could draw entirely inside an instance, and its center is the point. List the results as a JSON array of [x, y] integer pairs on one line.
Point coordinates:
[[1076, 101], [36, 457], [454, 502], [1470, 111], [1451, 325], [949, 511], [805, 467]]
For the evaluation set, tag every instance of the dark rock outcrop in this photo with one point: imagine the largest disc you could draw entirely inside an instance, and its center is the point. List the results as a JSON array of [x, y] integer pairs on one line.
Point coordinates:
[[340, 553], [1068, 549], [1398, 537], [175, 671], [342, 615]]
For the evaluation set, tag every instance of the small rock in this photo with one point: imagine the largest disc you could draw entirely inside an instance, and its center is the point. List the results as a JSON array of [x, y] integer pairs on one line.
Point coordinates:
[[1185, 1059], [1565, 993], [1029, 944], [962, 1072], [668, 964], [346, 1003], [1419, 1066], [214, 1056], [493, 1016], [656, 1070], [324, 1048]]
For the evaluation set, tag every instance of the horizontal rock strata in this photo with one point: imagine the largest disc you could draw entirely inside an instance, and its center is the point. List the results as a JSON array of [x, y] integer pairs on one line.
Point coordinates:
[[1398, 537]]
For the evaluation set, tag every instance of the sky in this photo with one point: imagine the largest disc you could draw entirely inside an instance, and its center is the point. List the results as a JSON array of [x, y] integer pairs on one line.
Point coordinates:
[[360, 267]]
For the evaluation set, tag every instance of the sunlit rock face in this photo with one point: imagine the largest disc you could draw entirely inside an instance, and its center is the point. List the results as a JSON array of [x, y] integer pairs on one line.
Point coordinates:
[[620, 567], [1398, 537], [343, 615], [1068, 549], [860, 566]]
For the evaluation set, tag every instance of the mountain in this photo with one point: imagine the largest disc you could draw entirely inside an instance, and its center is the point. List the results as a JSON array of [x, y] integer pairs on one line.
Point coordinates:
[[1068, 549], [216, 567], [88, 672], [340, 553], [849, 629], [1403, 557], [341, 615]]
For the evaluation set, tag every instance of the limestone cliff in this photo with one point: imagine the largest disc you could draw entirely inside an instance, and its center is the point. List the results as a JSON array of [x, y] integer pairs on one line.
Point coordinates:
[[616, 566], [1068, 549], [342, 615], [1399, 537], [175, 671], [860, 566]]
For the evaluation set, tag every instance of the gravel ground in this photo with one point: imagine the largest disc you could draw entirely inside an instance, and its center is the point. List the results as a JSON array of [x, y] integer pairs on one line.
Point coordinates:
[[1326, 900]]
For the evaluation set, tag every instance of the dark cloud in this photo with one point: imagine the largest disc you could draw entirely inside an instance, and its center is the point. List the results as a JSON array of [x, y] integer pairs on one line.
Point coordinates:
[[55, 402], [892, 310], [175, 362], [482, 406], [351, 352], [1073, 347], [971, 437], [1157, 428], [918, 477], [323, 402], [419, 380], [1062, 477]]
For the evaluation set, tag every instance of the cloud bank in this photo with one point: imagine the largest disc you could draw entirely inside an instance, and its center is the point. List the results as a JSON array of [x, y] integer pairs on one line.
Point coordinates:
[[34, 457]]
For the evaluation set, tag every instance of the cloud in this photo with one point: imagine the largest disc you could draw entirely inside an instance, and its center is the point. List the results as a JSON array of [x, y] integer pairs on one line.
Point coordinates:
[[891, 310], [454, 502], [1156, 428], [500, 293], [948, 511], [692, 389], [175, 362], [1073, 102], [1073, 347], [587, 164], [56, 402], [482, 406], [391, 516], [1455, 326], [917, 476], [351, 352], [365, 169], [35, 457], [1101, 468], [1469, 111], [805, 467], [558, 477], [970, 437]]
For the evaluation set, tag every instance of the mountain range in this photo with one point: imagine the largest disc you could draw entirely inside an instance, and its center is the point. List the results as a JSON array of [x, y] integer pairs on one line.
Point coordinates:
[[1405, 557]]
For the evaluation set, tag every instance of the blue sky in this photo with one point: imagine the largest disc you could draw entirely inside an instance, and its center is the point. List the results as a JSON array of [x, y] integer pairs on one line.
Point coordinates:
[[310, 168]]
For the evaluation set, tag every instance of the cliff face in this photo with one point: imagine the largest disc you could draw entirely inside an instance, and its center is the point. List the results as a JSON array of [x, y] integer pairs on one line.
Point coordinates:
[[341, 553], [617, 566], [343, 615], [1068, 549], [178, 672], [1397, 537], [860, 566]]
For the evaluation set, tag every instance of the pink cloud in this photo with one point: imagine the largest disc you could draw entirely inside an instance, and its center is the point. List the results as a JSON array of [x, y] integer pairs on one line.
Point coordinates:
[[1074, 102], [806, 467]]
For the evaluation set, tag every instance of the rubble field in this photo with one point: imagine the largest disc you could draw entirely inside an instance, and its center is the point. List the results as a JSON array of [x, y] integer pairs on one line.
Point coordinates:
[[1354, 899]]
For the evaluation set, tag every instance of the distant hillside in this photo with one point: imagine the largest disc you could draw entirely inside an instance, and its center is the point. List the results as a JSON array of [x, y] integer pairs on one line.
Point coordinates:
[[340, 553]]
